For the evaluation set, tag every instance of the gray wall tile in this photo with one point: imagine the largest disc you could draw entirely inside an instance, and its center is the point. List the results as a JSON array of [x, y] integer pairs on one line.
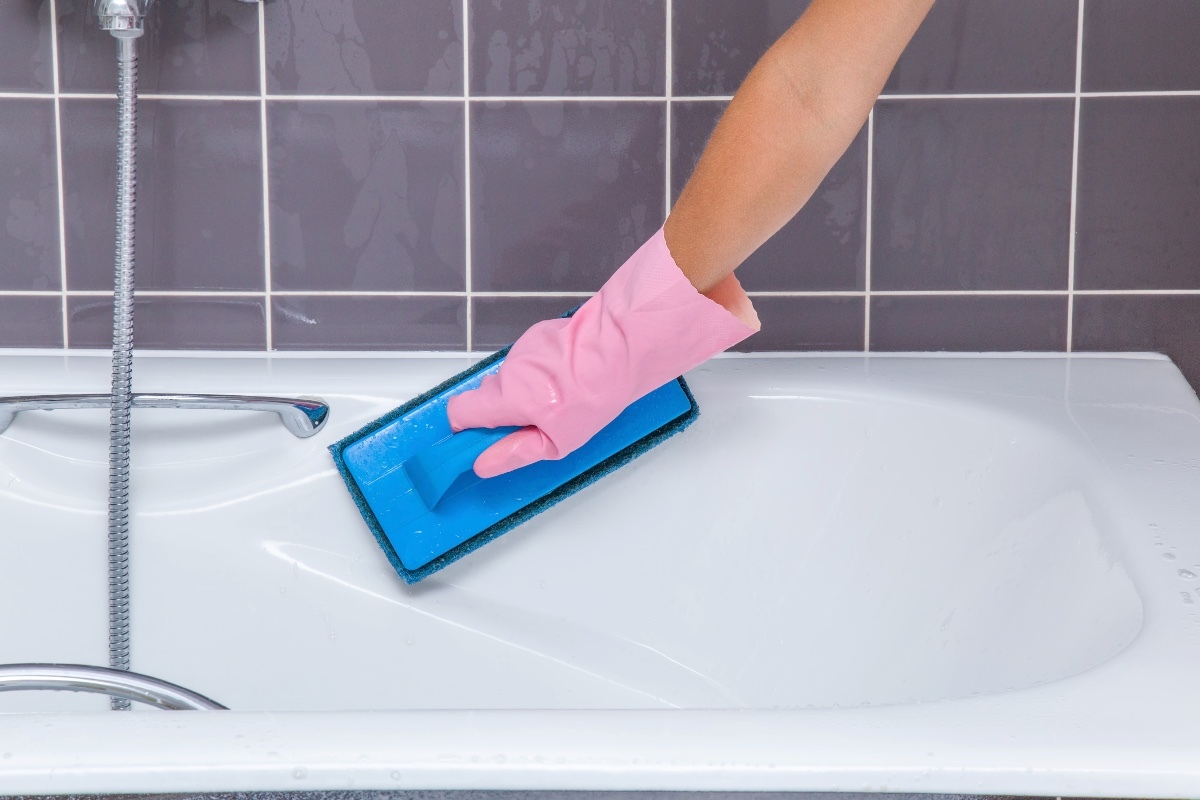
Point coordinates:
[[991, 46], [564, 47], [562, 192], [1158, 323], [807, 323], [1139, 45], [364, 47], [29, 254], [25, 51], [173, 323], [972, 194], [824, 246], [199, 223], [499, 321], [717, 42], [969, 323], [190, 46], [1139, 191], [31, 322], [367, 197], [369, 323]]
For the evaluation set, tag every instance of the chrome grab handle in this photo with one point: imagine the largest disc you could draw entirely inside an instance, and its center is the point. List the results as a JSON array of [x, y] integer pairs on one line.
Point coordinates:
[[304, 418], [101, 680]]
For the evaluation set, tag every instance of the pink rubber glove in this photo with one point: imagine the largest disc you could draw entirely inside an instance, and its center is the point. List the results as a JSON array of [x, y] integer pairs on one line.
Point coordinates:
[[565, 379]]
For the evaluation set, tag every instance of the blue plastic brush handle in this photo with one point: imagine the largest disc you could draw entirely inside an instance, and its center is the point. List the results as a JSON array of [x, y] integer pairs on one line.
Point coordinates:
[[435, 469]]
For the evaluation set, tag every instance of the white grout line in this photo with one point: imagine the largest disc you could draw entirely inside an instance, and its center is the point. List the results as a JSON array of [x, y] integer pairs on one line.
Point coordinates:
[[579, 98], [532, 294], [365, 98], [62, 194], [268, 311], [1122, 292], [668, 91], [466, 101], [831, 293], [869, 207], [1074, 184], [707, 98], [200, 294], [982, 96], [1177, 93], [30, 95], [570, 98], [971, 293]]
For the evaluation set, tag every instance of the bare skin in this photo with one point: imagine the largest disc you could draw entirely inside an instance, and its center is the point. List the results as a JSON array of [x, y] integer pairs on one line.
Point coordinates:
[[789, 123]]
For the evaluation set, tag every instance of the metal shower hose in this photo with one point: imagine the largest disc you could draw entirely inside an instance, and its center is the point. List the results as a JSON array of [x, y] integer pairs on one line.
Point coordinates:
[[122, 365]]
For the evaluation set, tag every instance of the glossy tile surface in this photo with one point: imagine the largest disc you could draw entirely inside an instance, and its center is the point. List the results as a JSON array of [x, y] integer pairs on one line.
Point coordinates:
[[173, 323], [565, 47], [382, 184], [972, 194], [807, 323], [1139, 190], [366, 196], [364, 47], [369, 323], [1140, 45], [190, 47], [969, 324], [25, 54], [199, 201], [29, 255], [1157, 323], [562, 192], [975, 46], [824, 246], [31, 322], [499, 321], [717, 42]]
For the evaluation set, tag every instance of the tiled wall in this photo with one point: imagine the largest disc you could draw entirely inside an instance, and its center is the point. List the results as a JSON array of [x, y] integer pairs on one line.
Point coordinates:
[[324, 174]]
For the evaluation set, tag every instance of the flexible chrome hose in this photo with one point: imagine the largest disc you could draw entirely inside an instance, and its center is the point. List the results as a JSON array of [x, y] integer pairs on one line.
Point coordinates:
[[122, 365]]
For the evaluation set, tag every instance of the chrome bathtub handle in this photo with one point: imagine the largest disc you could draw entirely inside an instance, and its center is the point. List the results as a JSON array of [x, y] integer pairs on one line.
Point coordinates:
[[101, 680], [302, 417]]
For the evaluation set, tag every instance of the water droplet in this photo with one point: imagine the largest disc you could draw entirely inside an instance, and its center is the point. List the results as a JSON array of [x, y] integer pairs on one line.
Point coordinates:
[[1187, 574], [1169, 556], [395, 774], [283, 590], [541, 584], [410, 641], [1187, 598], [299, 773], [8, 755]]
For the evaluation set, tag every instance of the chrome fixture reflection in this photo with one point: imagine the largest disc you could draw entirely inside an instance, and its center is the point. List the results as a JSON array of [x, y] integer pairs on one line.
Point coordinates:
[[122, 17], [118, 684], [303, 418], [125, 19]]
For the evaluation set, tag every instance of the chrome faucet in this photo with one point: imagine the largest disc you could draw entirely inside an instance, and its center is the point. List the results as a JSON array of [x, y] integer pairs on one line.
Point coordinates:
[[123, 18]]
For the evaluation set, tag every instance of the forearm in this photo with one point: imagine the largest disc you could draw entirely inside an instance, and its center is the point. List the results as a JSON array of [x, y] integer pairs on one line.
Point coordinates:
[[788, 124]]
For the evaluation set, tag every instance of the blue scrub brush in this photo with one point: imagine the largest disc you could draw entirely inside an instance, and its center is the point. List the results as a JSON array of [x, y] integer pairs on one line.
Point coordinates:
[[411, 477]]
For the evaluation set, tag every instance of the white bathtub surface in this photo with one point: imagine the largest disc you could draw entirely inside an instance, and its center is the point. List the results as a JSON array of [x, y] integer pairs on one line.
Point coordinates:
[[947, 574]]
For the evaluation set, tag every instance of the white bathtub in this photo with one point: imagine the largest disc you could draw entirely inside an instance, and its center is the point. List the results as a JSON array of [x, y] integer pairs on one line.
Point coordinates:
[[903, 574]]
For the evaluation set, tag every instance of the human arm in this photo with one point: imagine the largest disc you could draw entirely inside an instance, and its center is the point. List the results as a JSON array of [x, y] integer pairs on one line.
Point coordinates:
[[677, 302], [787, 125]]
